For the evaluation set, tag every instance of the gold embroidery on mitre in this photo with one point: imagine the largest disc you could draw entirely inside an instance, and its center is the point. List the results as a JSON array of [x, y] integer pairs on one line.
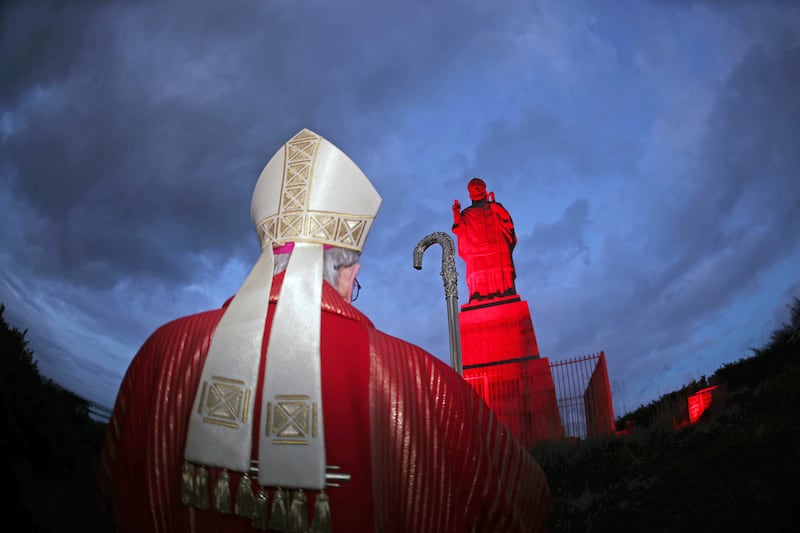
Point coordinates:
[[292, 419], [298, 173], [346, 231], [224, 402], [322, 227], [268, 228], [294, 199], [350, 231], [298, 170], [290, 226], [302, 146]]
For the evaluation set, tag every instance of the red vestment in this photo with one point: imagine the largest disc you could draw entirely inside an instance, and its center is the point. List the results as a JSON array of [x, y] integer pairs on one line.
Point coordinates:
[[424, 451], [486, 239]]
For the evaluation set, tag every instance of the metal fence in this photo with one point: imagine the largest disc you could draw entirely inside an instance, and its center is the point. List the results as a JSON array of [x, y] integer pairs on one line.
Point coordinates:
[[583, 395]]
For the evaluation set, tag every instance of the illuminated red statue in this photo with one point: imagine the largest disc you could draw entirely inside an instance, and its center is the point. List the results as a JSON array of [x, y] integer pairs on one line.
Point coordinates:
[[486, 239]]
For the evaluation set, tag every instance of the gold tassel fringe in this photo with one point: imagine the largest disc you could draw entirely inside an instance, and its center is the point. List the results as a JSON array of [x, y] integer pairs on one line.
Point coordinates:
[[279, 519], [222, 493], [245, 502], [187, 484], [298, 514], [261, 510], [200, 499], [321, 522], [289, 517]]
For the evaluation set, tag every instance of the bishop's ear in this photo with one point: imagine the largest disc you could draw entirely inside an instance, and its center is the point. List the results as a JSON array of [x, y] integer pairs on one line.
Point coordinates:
[[346, 280]]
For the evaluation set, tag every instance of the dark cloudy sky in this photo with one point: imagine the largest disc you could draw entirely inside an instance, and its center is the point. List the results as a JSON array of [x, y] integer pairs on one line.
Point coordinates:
[[648, 152]]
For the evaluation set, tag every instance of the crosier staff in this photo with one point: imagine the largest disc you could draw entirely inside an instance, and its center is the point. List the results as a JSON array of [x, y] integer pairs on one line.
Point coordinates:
[[450, 280]]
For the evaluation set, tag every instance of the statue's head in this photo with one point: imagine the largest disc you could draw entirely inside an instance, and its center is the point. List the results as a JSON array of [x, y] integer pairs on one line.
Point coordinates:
[[477, 189]]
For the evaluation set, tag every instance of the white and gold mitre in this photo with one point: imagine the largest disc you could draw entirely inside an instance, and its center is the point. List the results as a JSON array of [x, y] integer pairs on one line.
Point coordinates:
[[310, 191]]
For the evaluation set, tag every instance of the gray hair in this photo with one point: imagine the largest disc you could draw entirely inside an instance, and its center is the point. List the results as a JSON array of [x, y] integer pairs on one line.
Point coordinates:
[[334, 259]]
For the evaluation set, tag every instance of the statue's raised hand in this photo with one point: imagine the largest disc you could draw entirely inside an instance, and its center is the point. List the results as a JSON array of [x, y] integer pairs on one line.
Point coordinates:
[[456, 210]]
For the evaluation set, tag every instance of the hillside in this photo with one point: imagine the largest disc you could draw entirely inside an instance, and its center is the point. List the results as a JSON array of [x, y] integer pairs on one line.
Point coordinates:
[[48, 446], [732, 471]]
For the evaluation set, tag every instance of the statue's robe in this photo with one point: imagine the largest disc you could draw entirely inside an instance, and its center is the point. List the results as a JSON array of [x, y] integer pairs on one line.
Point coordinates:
[[486, 240], [424, 451]]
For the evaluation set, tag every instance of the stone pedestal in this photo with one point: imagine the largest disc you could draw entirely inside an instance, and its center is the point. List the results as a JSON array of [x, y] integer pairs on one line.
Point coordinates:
[[496, 332], [501, 361]]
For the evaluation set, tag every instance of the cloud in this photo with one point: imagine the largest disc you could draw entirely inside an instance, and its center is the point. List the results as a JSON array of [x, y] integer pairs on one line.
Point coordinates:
[[554, 246], [655, 286], [120, 116], [650, 171]]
